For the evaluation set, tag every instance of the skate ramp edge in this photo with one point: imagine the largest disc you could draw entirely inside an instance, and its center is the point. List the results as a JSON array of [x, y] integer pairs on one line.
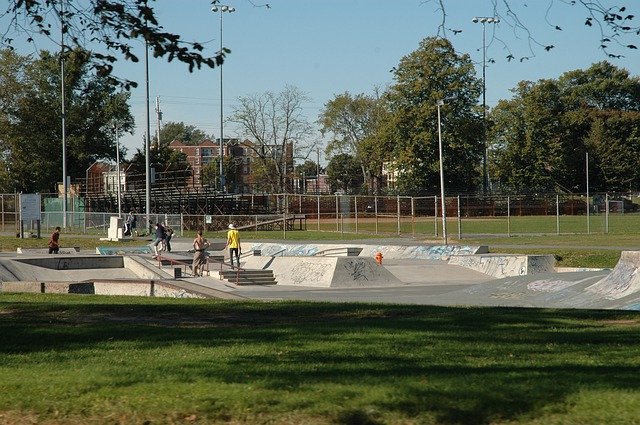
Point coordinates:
[[624, 279], [501, 265], [430, 252]]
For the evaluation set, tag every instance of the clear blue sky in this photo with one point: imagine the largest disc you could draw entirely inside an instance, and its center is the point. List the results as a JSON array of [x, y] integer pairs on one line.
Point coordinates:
[[327, 47]]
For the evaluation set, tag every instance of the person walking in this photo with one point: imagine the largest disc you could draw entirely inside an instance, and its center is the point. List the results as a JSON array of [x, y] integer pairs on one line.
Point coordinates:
[[54, 241], [200, 244], [233, 243]]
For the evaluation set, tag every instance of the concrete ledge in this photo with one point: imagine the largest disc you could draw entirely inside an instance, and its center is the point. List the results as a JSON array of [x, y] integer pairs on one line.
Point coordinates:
[[123, 250], [56, 262], [30, 251], [148, 288]]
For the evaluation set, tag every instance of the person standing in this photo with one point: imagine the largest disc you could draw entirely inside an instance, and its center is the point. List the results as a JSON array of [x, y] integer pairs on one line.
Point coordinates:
[[161, 237], [130, 223], [200, 244], [169, 232], [233, 243], [54, 241]]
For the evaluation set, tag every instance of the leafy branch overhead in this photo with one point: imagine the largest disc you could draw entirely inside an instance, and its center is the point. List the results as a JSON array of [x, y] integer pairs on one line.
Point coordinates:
[[111, 24], [617, 26]]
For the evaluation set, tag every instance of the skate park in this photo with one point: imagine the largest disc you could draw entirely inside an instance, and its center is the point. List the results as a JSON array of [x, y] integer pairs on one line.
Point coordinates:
[[409, 273]]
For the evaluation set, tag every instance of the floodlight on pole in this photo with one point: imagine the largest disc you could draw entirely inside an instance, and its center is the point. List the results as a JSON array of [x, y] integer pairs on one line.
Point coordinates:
[[222, 8], [440, 103], [484, 20]]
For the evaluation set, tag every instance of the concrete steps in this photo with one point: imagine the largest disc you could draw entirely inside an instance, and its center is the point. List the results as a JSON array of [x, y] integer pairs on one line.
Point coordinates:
[[249, 277]]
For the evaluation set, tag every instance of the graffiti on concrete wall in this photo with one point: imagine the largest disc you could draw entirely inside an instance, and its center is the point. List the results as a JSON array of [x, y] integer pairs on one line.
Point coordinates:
[[358, 270], [305, 273]]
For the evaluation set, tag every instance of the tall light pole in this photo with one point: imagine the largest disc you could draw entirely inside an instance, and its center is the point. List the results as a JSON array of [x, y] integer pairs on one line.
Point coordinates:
[[222, 8], [484, 20], [444, 210], [118, 168], [65, 188]]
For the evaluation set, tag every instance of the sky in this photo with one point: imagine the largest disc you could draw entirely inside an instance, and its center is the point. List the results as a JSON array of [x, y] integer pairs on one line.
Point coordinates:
[[328, 47]]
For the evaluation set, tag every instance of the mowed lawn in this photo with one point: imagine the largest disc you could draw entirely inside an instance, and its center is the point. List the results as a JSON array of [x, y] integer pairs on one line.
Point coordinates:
[[94, 359]]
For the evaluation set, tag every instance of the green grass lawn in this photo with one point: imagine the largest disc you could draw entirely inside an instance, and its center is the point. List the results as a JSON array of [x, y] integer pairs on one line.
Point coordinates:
[[94, 359]]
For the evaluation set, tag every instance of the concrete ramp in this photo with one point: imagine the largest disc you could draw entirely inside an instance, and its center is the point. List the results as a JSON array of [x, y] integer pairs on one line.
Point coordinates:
[[503, 265], [547, 290], [623, 280], [334, 272]]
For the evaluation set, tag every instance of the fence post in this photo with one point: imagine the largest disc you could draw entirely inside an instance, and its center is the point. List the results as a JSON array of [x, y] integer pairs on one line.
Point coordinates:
[[459, 221], [508, 217], [181, 224], [557, 214], [375, 211], [337, 219], [435, 216], [284, 225], [355, 207], [398, 213], [318, 196], [413, 217], [606, 213], [588, 211]]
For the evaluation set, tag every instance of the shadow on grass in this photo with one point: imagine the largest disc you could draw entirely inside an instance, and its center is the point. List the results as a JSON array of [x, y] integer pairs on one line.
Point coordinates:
[[461, 365]]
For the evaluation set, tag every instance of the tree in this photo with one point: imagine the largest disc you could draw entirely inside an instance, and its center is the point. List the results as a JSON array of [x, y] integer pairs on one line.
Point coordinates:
[[354, 122], [111, 24], [308, 168], [274, 122], [537, 158], [210, 174], [541, 136], [187, 134], [30, 119], [343, 173], [431, 73]]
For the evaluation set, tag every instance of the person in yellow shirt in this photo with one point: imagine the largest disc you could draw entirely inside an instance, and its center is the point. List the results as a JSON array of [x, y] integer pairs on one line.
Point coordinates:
[[233, 243]]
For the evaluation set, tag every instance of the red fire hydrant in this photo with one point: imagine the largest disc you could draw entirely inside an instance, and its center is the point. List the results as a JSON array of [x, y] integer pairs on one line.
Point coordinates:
[[379, 258]]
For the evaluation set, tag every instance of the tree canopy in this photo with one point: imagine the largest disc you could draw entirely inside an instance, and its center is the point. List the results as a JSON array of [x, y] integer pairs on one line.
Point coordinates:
[[31, 119], [273, 121], [354, 122], [424, 77], [541, 136], [108, 24]]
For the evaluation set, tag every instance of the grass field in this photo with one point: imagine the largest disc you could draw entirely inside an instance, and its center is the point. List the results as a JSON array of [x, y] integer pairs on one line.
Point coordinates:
[[121, 360], [92, 359]]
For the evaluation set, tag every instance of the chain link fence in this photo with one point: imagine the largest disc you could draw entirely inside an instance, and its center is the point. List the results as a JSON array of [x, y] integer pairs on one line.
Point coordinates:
[[466, 215]]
